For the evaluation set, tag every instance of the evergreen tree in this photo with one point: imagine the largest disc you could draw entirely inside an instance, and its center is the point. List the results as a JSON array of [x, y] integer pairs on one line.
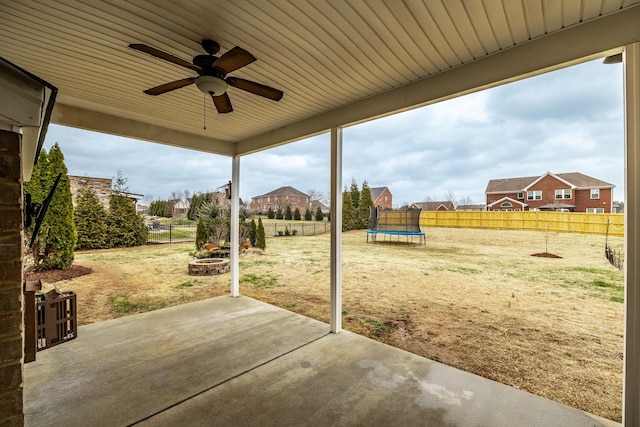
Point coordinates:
[[366, 203], [355, 194], [160, 208], [270, 213], [37, 186], [124, 226], [90, 218], [319, 215], [202, 233], [307, 215], [61, 231], [288, 215], [296, 214], [253, 229], [279, 214], [348, 212], [261, 241]]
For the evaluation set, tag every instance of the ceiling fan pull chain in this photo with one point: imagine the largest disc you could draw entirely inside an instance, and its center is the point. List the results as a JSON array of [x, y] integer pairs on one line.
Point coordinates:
[[204, 111]]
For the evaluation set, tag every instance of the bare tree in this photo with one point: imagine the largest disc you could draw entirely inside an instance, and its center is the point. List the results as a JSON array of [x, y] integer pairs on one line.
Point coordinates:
[[449, 197], [427, 199], [466, 200], [318, 195]]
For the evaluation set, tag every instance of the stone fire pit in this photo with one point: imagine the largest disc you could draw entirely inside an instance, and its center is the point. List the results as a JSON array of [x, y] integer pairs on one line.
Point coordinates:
[[208, 266]]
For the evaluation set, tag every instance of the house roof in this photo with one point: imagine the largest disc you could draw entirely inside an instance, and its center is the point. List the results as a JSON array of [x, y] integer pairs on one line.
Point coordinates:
[[435, 205], [377, 192], [377, 60], [574, 179], [285, 191], [507, 199]]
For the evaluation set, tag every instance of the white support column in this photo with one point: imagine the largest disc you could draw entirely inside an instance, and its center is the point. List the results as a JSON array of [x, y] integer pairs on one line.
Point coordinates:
[[235, 226], [336, 230], [631, 376]]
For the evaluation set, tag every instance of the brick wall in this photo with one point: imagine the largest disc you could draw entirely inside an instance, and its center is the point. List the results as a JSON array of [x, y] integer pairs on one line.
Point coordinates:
[[11, 340], [384, 200], [100, 186]]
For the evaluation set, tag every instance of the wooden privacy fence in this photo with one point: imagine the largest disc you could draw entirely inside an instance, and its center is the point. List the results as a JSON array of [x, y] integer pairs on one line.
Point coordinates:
[[556, 222]]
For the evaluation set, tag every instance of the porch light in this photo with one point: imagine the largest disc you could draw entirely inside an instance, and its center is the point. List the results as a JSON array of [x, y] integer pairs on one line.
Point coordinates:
[[211, 85]]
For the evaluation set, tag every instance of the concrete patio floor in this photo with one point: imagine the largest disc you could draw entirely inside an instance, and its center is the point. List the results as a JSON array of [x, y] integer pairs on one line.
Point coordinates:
[[237, 361]]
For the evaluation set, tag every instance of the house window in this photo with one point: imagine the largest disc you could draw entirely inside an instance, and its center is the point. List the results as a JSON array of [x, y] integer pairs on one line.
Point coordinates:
[[506, 205], [534, 195], [521, 195], [564, 193], [595, 193], [595, 210]]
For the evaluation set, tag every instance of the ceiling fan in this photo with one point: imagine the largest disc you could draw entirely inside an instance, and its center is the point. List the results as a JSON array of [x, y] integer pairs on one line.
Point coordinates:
[[212, 74]]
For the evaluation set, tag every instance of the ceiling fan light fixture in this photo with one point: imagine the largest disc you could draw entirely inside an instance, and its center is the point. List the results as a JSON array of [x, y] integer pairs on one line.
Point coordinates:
[[211, 85]]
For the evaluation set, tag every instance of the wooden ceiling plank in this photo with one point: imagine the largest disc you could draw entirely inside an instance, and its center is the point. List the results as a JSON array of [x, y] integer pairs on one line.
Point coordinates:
[[464, 27], [534, 16], [499, 24], [516, 21], [480, 21]]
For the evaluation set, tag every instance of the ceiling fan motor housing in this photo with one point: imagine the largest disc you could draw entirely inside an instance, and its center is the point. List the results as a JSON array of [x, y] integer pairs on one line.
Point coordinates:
[[214, 86]]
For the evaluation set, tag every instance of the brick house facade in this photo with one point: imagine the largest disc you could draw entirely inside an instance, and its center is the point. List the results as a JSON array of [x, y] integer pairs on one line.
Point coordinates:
[[280, 198], [382, 197], [568, 192], [100, 186], [11, 299]]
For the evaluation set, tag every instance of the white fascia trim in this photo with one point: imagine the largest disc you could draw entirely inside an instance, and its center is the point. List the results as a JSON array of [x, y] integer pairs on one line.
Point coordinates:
[[507, 199], [77, 117]]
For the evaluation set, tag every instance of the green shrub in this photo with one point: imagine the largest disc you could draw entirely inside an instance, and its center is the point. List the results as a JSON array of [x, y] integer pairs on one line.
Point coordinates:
[[57, 237], [307, 215], [270, 213], [253, 229], [319, 215], [261, 241], [287, 214], [90, 218]]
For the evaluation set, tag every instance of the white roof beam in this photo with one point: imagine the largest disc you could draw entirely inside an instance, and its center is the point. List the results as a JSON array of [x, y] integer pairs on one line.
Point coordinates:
[[67, 115]]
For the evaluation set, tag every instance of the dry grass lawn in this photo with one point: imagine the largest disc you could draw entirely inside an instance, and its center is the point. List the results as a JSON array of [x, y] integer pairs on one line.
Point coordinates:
[[473, 299]]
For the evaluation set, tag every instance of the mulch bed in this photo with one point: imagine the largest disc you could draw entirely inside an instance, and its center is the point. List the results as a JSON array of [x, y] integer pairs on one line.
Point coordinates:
[[546, 255], [52, 276]]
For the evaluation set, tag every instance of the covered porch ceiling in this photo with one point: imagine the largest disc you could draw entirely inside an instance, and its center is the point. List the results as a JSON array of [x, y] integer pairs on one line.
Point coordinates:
[[338, 62]]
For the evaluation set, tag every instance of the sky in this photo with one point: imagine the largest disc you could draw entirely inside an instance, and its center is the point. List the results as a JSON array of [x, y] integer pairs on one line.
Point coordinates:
[[570, 120]]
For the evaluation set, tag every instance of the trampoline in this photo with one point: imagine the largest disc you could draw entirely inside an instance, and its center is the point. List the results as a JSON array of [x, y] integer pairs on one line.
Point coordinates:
[[396, 223]]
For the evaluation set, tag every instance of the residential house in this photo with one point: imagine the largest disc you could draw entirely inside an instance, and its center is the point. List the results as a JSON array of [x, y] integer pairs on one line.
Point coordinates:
[[445, 205], [313, 207], [280, 198], [179, 207], [382, 197], [567, 192], [471, 208], [102, 187]]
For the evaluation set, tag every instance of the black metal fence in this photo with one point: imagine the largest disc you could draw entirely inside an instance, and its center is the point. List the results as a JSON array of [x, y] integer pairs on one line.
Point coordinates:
[[297, 228], [175, 233], [171, 233]]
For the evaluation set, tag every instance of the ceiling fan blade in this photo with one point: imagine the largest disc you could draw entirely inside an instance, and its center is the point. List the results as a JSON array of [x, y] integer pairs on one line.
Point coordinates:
[[168, 87], [163, 55], [222, 103], [234, 59], [256, 88]]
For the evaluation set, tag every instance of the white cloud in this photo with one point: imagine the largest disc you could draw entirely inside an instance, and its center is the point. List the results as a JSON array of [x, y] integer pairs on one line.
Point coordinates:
[[565, 121]]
